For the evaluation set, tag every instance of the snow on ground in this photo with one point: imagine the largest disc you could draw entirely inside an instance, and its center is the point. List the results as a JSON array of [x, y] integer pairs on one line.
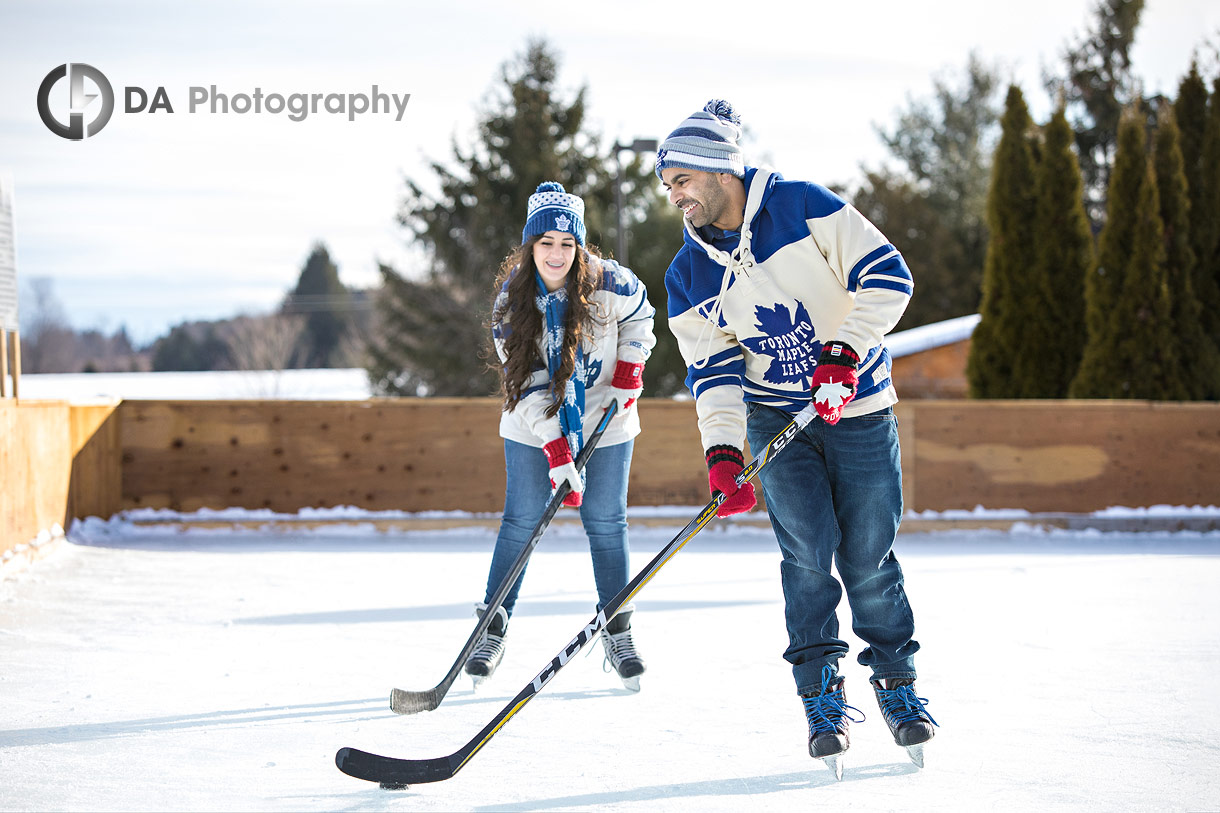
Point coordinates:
[[221, 671]]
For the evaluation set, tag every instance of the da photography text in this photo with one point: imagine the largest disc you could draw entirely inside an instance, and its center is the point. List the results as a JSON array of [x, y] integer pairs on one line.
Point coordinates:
[[91, 101], [297, 106]]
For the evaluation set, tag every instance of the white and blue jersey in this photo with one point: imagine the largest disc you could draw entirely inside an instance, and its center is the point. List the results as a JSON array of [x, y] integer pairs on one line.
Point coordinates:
[[751, 309], [621, 331]]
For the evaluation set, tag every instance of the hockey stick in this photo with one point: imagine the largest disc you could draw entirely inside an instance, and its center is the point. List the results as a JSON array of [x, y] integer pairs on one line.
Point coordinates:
[[404, 701], [399, 773]]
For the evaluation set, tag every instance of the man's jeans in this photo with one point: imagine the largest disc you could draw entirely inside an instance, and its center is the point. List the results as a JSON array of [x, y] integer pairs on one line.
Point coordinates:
[[603, 513], [835, 492]]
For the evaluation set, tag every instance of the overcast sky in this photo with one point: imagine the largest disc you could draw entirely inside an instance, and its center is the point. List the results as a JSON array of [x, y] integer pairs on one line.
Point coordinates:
[[163, 218]]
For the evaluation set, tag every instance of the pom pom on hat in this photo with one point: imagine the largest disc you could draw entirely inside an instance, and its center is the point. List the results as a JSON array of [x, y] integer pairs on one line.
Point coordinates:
[[722, 110], [550, 208], [705, 141]]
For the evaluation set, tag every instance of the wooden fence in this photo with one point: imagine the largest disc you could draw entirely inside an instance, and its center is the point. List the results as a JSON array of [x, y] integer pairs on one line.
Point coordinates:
[[60, 461]]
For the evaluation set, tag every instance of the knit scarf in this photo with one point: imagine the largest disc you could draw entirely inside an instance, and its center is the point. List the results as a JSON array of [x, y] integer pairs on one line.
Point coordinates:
[[553, 305]]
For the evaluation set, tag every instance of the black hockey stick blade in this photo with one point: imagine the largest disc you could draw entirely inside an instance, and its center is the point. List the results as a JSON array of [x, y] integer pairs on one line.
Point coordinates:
[[405, 701], [392, 772]]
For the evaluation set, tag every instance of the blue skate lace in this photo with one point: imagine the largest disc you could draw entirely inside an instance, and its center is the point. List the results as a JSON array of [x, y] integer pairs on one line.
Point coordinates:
[[902, 705], [826, 711]]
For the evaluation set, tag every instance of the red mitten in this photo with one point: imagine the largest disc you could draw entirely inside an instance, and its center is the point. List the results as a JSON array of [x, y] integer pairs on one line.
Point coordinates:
[[724, 463], [834, 380], [559, 456], [627, 384]]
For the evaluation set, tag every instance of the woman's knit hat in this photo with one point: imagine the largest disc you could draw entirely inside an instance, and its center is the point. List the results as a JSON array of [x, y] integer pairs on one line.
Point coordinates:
[[552, 209], [706, 141]]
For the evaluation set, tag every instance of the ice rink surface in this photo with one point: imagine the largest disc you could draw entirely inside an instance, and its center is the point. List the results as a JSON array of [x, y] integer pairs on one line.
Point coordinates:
[[222, 670]]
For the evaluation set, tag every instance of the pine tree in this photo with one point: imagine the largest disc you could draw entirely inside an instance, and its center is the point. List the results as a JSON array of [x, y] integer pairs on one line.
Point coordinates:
[[1098, 85], [1190, 111], [434, 335], [434, 338], [1197, 356], [992, 366], [1206, 237], [654, 236], [1115, 245], [1131, 352], [1146, 348], [1065, 258], [324, 302]]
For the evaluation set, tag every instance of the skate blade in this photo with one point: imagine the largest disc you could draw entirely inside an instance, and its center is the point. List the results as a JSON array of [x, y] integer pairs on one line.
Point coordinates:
[[835, 763], [915, 752], [632, 684], [476, 681], [394, 785]]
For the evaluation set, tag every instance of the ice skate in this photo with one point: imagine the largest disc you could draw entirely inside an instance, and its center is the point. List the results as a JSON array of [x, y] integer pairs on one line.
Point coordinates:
[[826, 711], [904, 712], [620, 649], [489, 651]]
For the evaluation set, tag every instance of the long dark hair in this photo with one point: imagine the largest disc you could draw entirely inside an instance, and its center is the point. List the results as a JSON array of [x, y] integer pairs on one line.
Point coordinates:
[[517, 318]]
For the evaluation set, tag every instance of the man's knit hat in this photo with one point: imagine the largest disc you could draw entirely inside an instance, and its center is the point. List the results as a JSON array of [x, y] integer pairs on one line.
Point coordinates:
[[706, 141], [552, 209]]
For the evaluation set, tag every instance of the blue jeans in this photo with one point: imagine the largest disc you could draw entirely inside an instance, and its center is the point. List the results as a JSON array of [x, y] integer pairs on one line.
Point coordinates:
[[835, 492], [603, 513]]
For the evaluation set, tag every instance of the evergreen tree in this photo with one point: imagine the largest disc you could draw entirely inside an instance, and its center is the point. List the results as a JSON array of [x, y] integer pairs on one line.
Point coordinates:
[[1198, 360], [1146, 350], [434, 334], [1131, 351], [1115, 243], [324, 302], [934, 207], [191, 346], [1190, 111], [1064, 259], [1011, 211], [654, 236], [1099, 84], [433, 321], [1206, 237]]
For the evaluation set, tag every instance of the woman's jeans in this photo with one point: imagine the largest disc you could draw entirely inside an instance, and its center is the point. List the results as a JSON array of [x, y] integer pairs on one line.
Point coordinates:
[[603, 513], [835, 492]]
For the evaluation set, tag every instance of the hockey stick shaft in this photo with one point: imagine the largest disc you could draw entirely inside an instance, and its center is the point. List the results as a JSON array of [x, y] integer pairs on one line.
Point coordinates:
[[401, 772], [403, 701]]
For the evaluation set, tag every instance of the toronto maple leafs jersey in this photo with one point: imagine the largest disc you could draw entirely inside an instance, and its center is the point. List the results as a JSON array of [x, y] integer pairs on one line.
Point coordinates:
[[622, 331], [751, 309]]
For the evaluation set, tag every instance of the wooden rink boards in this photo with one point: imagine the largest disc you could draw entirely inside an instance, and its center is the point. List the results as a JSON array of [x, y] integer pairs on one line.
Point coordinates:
[[413, 455], [445, 454], [60, 461]]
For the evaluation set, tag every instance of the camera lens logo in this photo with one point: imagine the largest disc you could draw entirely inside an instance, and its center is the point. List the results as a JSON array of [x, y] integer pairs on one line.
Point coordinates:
[[77, 73]]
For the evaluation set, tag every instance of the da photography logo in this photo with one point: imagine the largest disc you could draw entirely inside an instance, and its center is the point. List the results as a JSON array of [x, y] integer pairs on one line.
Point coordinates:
[[294, 105], [79, 100]]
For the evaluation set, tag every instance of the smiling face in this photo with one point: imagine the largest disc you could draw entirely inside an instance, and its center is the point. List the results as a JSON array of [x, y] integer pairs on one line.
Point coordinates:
[[706, 197], [554, 254]]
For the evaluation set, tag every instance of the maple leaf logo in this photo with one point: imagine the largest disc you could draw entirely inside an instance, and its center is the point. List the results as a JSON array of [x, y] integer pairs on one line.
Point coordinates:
[[592, 369], [787, 338], [832, 394]]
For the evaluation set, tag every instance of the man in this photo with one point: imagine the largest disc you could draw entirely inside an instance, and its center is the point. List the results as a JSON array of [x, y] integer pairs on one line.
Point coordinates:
[[782, 293]]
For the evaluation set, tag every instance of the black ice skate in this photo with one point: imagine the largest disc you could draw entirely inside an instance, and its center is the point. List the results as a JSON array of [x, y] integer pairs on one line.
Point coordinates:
[[904, 713], [489, 651], [827, 713], [620, 649]]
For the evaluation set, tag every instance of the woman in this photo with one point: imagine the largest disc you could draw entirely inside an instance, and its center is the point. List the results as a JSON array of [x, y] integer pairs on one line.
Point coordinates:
[[572, 331]]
